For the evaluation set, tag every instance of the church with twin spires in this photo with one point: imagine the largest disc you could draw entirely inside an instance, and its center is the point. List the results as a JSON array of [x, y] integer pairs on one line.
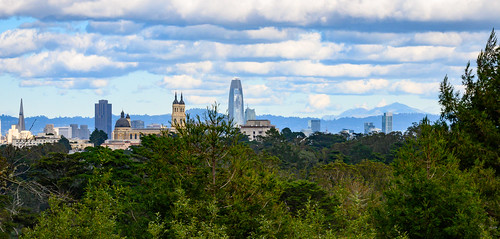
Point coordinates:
[[124, 132]]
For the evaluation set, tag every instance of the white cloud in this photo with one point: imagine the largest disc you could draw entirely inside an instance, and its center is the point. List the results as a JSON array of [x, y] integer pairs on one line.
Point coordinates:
[[411, 87], [67, 83], [361, 86], [404, 53], [319, 101], [201, 100], [270, 33], [180, 82], [115, 27], [192, 67], [18, 41], [257, 91], [382, 103], [309, 68], [298, 12], [50, 63]]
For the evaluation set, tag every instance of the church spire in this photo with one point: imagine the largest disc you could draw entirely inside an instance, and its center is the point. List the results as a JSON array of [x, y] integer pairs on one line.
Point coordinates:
[[182, 101], [175, 100], [20, 124]]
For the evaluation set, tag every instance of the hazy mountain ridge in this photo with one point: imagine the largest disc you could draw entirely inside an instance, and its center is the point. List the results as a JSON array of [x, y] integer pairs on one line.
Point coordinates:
[[401, 122], [395, 108]]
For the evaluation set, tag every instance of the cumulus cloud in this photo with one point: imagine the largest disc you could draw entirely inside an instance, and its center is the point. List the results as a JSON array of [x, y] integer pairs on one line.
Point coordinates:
[[67, 83], [180, 82], [361, 86], [201, 100], [309, 68], [192, 67], [319, 101], [115, 27], [54, 63], [300, 13], [419, 88], [382, 103]]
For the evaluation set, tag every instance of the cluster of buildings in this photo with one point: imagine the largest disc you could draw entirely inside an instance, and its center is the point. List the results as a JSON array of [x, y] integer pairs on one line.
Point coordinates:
[[127, 132], [18, 136], [386, 125]]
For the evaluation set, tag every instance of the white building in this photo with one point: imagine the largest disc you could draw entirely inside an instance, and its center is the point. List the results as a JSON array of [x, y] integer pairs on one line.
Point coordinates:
[[64, 131], [256, 128], [387, 123], [15, 134]]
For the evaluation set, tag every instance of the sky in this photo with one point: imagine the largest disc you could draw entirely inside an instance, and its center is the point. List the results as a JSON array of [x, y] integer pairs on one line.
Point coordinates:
[[294, 57]]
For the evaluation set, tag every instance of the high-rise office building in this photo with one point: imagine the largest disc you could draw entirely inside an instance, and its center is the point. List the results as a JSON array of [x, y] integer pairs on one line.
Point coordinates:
[[137, 124], [84, 132], [75, 132], [387, 123], [314, 125], [369, 127], [249, 114], [103, 117], [235, 106], [20, 124]]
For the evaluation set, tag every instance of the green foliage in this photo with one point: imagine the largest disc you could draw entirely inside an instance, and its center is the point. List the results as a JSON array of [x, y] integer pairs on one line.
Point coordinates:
[[475, 115], [65, 142], [297, 193], [93, 217], [474, 132], [98, 137], [431, 196]]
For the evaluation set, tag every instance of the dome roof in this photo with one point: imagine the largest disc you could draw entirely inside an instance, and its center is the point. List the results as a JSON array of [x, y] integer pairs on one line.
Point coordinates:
[[122, 122]]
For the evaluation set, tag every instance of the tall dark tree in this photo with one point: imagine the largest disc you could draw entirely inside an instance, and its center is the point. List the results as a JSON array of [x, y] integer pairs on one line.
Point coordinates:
[[64, 141], [430, 196], [475, 114], [474, 117], [98, 137]]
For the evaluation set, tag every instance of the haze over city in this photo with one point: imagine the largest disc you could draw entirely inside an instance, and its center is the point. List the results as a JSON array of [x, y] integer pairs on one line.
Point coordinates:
[[296, 58]]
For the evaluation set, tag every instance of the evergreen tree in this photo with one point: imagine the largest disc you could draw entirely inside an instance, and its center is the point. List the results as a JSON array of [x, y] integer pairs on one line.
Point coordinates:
[[98, 137]]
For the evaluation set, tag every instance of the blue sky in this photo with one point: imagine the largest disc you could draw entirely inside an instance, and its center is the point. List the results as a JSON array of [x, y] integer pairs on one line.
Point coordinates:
[[295, 57]]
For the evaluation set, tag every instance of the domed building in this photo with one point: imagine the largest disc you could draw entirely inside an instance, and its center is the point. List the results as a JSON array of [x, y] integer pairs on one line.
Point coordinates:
[[124, 132]]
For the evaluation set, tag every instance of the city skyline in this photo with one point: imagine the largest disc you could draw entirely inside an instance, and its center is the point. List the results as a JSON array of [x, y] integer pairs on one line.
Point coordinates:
[[305, 59]]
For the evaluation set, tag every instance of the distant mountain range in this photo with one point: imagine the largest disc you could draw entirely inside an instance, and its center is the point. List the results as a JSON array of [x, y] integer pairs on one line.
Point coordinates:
[[395, 108], [353, 119]]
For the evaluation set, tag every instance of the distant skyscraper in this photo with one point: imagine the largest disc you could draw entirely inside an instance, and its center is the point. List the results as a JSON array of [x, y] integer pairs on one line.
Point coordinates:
[[75, 132], [235, 105], [137, 124], [84, 132], [20, 124], [387, 122], [315, 125], [103, 117], [369, 127], [249, 114]]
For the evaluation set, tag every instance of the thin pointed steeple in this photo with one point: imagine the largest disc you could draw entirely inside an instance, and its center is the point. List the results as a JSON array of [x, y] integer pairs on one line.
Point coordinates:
[[182, 101], [175, 100], [20, 124]]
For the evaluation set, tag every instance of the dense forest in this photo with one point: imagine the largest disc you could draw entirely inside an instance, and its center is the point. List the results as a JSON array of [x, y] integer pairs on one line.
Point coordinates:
[[437, 180]]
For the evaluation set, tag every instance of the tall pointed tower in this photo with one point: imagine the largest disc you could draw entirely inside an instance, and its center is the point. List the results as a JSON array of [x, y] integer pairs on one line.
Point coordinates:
[[20, 124], [235, 104], [178, 112]]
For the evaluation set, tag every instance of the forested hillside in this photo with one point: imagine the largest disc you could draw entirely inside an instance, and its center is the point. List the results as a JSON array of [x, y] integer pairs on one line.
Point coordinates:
[[438, 180]]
